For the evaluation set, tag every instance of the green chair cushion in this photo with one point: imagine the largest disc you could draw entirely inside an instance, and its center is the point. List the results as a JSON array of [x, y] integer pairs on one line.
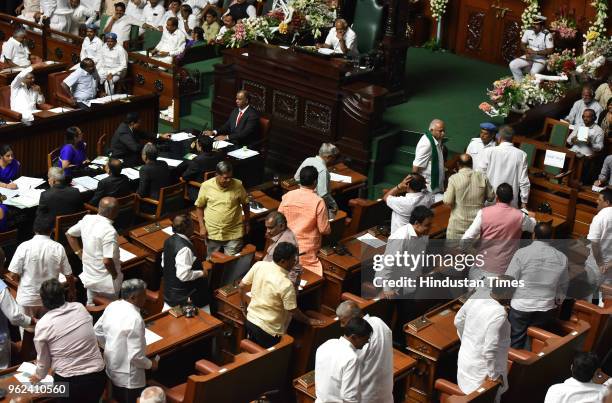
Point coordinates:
[[367, 24], [558, 135], [530, 151], [151, 38]]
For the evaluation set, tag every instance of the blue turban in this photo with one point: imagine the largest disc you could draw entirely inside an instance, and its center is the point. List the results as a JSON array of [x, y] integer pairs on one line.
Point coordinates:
[[488, 126], [111, 35], [91, 26]]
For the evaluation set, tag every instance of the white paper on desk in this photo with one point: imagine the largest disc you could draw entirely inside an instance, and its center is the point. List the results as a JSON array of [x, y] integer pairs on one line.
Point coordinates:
[[151, 337], [12, 70], [597, 189], [26, 370], [171, 162], [125, 255], [258, 210], [80, 188], [554, 159], [27, 198], [219, 144], [168, 230], [340, 178], [9, 193], [181, 136], [245, 54], [371, 240], [100, 177], [131, 173], [100, 160], [242, 154], [28, 367], [107, 99], [61, 110], [583, 134], [26, 182], [87, 182], [302, 284]]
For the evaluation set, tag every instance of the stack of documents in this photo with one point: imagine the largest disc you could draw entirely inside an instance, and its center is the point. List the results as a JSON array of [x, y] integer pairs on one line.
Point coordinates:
[[219, 144], [85, 182], [26, 182], [106, 99], [100, 160], [61, 110], [340, 178], [242, 153], [131, 173], [25, 199], [181, 136]]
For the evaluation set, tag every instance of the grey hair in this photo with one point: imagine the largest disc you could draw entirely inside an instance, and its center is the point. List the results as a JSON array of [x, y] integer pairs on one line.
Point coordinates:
[[328, 150], [434, 122], [224, 167], [57, 174], [19, 32], [506, 133], [153, 394], [150, 151], [348, 310], [278, 217], [131, 287]]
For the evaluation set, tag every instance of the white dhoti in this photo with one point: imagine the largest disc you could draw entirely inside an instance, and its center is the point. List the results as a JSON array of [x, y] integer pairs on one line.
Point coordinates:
[[60, 22], [520, 65], [109, 85]]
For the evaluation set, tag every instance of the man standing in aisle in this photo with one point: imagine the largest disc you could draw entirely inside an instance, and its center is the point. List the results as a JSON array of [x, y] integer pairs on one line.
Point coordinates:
[[429, 157]]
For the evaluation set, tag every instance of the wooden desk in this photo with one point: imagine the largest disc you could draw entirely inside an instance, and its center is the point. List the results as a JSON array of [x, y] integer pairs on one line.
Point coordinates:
[[180, 332], [7, 378], [228, 307], [586, 209], [433, 347], [357, 180], [139, 266], [402, 366], [342, 272], [31, 144], [318, 100], [151, 237]]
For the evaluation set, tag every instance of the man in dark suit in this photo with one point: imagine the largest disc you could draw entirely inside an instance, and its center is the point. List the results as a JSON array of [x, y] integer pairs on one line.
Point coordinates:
[[242, 127], [59, 199], [114, 185], [125, 143], [154, 174]]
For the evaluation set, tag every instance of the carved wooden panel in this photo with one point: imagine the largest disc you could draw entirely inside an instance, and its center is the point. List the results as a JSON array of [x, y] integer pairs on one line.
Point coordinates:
[[284, 106], [511, 38], [475, 24], [258, 94], [317, 116]]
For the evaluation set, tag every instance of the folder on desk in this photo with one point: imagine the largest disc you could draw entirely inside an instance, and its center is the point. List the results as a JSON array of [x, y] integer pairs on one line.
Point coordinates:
[[125, 255]]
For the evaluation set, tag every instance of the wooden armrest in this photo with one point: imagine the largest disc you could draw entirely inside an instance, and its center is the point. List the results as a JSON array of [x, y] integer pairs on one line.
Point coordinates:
[[152, 295], [9, 113], [91, 208], [45, 107], [539, 334], [193, 183], [148, 200], [248, 346], [98, 300], [206, 367], [448, 387], [259, 255], [361, 202], [319, 315], [95, 309], [347, 296], [520, 355]]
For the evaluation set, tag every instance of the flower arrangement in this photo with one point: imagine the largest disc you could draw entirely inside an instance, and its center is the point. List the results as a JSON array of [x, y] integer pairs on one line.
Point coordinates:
[[247, 30], [562, 63], [601, 14], [438, 8], [529, 14], [316, 14], [597, 48], [507, 95], [565, 27]]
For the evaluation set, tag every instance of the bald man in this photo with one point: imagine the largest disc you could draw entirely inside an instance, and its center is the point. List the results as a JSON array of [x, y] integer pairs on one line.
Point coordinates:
[[467, 192], [376, 359], [99, 251]]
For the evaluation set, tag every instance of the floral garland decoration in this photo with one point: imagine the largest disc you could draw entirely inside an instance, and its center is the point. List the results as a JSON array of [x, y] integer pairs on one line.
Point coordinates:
[[438, 8], [601, 14], [529, 14]]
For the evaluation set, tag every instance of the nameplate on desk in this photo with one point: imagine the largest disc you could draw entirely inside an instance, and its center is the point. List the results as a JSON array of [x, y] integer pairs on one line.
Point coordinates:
[[419, 324], [228, 290], [554, 159], [152, 227], [307, 380]]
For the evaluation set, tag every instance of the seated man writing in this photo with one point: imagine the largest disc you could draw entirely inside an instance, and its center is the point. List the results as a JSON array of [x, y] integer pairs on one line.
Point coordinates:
[[242, 127], [172, 42], [341, 39], [82, 84]]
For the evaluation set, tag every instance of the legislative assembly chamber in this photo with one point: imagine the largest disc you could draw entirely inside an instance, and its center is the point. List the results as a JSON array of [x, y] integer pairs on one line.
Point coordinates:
[[293, 201]]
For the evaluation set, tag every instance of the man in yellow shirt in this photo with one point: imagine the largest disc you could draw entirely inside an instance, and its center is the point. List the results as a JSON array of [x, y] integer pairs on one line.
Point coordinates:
[[273, 297], [220, 206]]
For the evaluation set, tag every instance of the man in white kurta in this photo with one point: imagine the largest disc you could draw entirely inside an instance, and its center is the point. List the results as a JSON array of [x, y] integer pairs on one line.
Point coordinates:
[[507, 164], [477, 145], [593, 141], [375, 358], [586, 101], [14, 51], [58, 12], [100, 251], [337, 369], [600, 235], [341, 39], [25, 95], [121, 332], [121, 24], [92, 44], [423, 157], [483, 327], [112, 63], [81, 15], [153, 14], [36, 261], [29, 9], [172, 42], [579, 388]]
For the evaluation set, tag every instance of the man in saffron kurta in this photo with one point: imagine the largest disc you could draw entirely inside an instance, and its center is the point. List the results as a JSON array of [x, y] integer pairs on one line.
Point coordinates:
[[307, 217]]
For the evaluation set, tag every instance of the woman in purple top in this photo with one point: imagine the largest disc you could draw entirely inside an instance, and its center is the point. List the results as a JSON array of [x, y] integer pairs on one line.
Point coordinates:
[[9, 167], [73, 154]]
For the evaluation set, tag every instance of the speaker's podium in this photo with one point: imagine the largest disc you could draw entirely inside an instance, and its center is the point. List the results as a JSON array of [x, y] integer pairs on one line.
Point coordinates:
[[310, 99]]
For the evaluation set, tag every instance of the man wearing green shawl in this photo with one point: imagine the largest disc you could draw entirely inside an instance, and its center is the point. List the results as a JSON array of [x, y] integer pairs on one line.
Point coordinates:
[[431, 164]]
